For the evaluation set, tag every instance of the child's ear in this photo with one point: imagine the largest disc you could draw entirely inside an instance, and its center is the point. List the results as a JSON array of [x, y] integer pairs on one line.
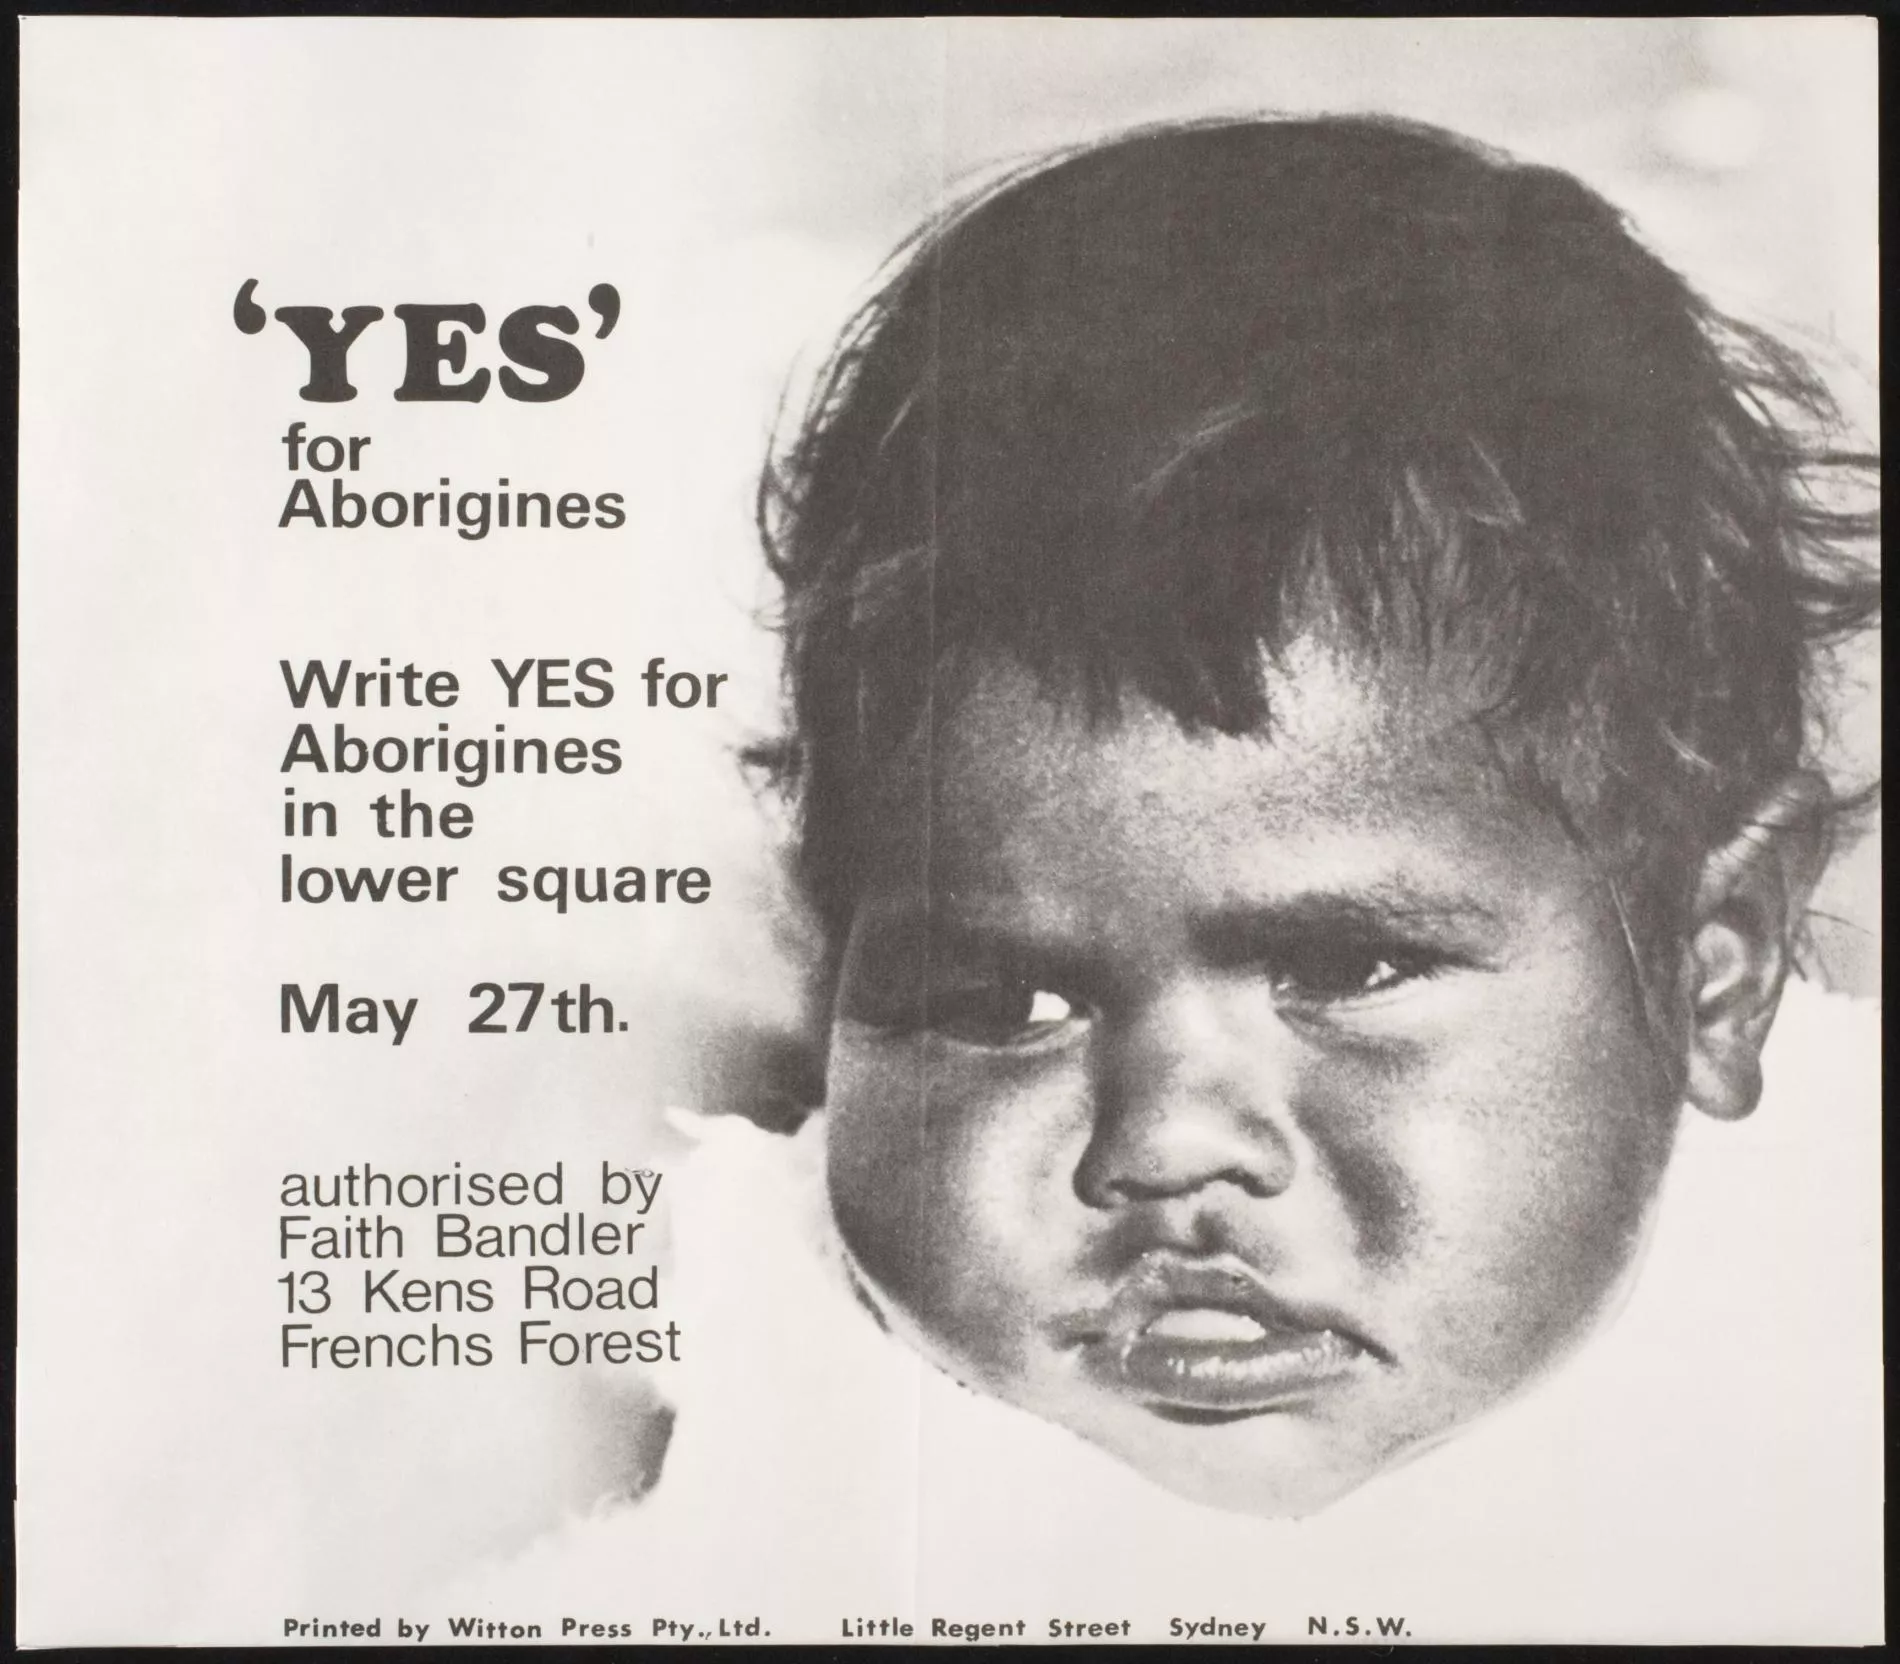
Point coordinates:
[[1750, 897]]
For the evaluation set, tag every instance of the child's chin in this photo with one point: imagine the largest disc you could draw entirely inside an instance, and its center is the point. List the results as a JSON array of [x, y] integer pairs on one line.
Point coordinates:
[[1268, 1477]]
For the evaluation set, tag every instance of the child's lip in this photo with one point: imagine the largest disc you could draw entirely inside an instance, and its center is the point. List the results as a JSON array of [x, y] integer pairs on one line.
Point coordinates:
[[1168, 1336]]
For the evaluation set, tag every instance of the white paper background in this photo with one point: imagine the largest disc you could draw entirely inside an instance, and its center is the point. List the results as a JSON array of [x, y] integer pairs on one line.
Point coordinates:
[[738, 183]]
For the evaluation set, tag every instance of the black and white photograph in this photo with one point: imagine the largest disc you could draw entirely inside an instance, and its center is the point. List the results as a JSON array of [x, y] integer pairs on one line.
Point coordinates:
[[1003, 830]]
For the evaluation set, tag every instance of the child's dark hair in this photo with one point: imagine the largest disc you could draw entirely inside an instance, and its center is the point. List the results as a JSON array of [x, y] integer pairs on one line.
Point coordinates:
[[1137, 416]]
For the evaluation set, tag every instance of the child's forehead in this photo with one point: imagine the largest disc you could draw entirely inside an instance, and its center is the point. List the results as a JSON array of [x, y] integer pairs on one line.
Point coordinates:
[[1337, 718], [1360, 804], [1350, 748]]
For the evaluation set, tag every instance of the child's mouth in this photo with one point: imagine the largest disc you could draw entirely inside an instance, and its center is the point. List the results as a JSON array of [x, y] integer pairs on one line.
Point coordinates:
[[1184, 1361], [1205, 1339]]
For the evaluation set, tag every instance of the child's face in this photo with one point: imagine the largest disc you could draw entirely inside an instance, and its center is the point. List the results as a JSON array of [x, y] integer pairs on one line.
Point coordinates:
[[1259, 1109]]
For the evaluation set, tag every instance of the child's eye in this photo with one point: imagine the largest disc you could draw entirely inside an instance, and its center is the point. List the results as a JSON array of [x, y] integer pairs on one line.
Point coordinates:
[[1332, 974], [971, 990], [998, 1014]]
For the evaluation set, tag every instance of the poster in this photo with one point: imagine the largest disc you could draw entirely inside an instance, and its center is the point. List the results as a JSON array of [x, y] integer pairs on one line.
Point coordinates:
[[415, 1007]]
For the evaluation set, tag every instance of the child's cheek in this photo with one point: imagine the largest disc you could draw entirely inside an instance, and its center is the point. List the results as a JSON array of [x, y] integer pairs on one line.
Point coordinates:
[[949, 1173], [1524, 1159], [876, 1122], [1365, 1146]]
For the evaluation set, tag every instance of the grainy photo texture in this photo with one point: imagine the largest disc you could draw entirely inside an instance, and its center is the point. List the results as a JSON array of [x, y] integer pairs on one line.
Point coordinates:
[[958, 831]]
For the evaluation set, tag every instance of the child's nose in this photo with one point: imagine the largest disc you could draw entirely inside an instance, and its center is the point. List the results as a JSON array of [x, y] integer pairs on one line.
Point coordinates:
[[1189, 1093]]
